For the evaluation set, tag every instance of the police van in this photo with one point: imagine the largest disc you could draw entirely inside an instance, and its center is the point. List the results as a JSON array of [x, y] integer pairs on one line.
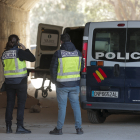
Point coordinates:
[[110, 81]]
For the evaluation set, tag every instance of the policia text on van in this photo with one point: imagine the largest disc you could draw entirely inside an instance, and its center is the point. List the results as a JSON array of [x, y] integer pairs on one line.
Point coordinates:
[[111, 52], [112, 55]]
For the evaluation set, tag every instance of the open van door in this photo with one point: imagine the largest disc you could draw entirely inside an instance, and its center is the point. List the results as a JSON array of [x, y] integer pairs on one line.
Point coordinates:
[[132, 70], [48, 42]]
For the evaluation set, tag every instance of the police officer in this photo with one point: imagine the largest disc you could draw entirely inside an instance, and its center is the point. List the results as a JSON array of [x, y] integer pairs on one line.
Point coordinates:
[[65, 73], [15, 74]]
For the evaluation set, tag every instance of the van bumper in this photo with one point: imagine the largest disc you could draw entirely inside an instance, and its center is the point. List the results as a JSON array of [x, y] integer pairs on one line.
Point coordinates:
[[110, 106]]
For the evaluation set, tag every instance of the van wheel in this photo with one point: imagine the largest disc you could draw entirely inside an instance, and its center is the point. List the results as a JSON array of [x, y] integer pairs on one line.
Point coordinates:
[[96, 116]]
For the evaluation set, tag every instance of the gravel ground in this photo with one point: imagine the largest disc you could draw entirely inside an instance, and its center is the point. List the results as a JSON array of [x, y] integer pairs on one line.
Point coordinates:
[[116, 127]]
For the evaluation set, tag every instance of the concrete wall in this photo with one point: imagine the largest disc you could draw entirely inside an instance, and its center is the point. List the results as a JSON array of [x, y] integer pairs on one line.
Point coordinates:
[[14, 19]]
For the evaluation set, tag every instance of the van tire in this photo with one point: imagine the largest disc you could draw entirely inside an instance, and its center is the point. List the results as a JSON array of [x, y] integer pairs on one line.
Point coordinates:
[[96, 116]]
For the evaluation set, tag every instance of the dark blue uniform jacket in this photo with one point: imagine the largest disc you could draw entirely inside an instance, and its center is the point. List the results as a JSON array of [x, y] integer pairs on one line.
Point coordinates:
[[67, 46]]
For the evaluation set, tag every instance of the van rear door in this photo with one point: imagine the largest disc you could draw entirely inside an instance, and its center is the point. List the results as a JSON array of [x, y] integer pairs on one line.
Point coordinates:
[[48, 42], [132, 84], [106, 62]]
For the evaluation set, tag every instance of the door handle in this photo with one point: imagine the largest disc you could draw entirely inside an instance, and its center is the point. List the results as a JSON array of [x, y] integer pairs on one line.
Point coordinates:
[[104, 88], [116, 70]]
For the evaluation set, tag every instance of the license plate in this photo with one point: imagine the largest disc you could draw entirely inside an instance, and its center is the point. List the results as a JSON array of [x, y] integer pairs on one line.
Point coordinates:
[[109, 94]]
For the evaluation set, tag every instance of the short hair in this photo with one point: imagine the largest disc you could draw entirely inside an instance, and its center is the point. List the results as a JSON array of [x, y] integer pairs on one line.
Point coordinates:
[[65, 37]]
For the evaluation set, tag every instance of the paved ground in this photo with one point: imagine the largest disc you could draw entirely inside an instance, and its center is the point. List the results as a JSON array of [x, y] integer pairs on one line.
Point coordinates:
[[116, 127]]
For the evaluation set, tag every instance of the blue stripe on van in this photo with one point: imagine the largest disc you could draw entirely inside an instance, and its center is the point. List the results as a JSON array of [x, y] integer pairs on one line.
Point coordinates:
[[92, 94]]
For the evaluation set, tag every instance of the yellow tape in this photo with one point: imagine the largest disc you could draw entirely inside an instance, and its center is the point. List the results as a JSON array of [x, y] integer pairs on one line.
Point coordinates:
[[99, 74]]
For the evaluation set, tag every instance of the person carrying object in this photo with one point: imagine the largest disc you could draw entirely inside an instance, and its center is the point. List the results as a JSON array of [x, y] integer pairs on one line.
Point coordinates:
[[15, 72], [65, 70]]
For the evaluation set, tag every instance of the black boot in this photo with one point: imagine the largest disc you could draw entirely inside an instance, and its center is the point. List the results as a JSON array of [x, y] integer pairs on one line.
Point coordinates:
[[8, 129], [22, 130], [56, 131], [79, 131]]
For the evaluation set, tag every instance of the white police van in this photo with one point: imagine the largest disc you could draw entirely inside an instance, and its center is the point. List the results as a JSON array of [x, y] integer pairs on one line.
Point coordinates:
[[110, 81]]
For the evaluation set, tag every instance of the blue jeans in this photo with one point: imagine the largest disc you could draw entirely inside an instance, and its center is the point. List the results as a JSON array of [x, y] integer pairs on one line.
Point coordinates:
[[73, 94]]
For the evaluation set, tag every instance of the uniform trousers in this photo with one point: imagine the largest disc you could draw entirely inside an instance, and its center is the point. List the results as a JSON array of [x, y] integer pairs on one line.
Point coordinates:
[[13, 90]]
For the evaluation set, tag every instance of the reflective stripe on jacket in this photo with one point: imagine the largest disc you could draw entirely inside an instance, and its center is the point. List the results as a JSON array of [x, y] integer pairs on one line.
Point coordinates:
[[13, 67], [69, 66]]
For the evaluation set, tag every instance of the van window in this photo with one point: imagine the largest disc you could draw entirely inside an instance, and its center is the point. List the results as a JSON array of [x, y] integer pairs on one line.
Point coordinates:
[[133, 43], [49, 39], [108, 40]]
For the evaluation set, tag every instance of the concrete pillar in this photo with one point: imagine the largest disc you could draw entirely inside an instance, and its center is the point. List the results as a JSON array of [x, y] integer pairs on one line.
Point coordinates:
[[14, 19]]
